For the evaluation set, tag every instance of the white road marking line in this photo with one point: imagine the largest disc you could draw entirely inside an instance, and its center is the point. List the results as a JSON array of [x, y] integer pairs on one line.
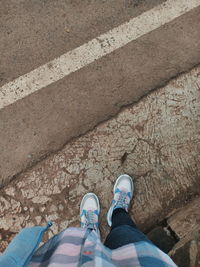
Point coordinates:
[[98, 47]]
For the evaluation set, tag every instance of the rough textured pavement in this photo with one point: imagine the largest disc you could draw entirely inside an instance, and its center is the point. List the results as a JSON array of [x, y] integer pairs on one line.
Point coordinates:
[[156, 141], [33, 32]]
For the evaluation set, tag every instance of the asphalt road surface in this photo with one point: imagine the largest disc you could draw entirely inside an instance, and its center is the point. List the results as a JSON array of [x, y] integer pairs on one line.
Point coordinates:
[[65, 66]]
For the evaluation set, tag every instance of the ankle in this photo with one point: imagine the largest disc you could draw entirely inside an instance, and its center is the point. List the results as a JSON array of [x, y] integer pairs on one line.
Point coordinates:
[[118, 210]]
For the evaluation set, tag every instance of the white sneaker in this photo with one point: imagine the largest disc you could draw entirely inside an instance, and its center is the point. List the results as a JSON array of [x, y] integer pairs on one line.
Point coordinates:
[[123, 193], [89, 211]]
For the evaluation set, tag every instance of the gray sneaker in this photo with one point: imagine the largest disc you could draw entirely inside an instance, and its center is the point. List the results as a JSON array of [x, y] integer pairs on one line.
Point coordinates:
[[123, 193], [89, 211]]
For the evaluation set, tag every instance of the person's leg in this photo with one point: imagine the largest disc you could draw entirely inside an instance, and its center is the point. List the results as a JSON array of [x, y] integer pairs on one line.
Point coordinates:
[[123, 229], [121, 217]]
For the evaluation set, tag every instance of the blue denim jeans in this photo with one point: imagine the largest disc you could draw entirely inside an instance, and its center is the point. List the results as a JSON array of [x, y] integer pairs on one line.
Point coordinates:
[[123, 231]]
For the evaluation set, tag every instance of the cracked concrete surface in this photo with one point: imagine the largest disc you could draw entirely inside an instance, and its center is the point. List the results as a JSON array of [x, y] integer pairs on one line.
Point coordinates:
[[155, 140]]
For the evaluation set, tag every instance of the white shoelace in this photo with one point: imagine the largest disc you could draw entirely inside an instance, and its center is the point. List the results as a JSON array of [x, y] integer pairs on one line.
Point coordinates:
[[121, 202], [90, 219]]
